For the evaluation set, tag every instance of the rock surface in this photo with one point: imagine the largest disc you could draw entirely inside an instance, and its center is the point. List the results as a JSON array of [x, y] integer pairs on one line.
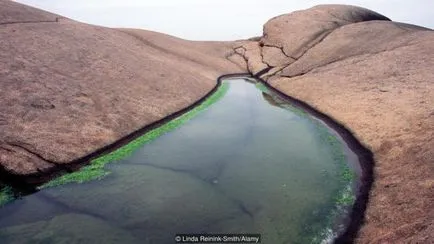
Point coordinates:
[[69, 88], [374, 76]]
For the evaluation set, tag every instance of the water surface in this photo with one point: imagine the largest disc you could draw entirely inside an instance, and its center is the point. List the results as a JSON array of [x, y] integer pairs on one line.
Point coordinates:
[[245, 165]]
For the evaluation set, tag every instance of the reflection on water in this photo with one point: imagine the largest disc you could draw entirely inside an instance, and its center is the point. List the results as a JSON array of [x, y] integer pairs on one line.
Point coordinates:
[[242, 166]]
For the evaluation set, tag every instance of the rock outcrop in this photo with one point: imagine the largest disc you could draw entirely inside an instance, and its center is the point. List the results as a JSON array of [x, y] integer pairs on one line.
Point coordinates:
[[374, 76], [68, 88]]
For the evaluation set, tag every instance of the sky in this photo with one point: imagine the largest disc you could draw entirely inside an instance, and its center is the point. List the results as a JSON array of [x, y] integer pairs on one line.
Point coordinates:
[[215, 19]]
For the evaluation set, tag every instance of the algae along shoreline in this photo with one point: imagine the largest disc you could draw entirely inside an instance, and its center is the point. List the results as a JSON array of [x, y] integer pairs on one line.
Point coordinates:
[[330, 220], [95, 170], [78, 87]]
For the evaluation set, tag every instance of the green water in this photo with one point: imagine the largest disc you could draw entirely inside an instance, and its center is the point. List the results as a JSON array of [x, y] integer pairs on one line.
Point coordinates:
[[247, 164]]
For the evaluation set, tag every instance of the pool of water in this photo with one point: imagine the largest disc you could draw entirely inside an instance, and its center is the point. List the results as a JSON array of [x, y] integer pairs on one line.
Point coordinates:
[[247, 164]]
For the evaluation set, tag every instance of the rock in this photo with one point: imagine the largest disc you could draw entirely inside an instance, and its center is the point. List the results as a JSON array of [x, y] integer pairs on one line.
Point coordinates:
[[296, 32], [69, 88], [351, 41], [11, 12], [251, 52], [274, 56], [374, 76]]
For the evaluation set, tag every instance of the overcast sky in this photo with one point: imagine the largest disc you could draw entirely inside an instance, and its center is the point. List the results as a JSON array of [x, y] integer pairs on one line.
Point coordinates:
[[215, 19]]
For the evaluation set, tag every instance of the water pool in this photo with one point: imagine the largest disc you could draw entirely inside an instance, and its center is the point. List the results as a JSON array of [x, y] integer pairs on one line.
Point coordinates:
[[250, 163]]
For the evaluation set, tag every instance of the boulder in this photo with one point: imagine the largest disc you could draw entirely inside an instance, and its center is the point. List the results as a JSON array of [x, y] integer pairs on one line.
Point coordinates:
[[70, 88], [375, 77]]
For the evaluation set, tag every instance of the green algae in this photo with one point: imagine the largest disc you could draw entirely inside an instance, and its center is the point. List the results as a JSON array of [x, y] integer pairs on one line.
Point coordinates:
[[6, 195], [262, 87], [346, 197], [95, 170]]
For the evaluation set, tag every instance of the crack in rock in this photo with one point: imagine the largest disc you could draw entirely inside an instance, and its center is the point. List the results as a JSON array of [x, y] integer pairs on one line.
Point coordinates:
[[345, 58], [281, 49], [262, 57], [251, 53], [29, 22], [28, 151], [318, 40], [233, 54], [242, 54], [320, 37]]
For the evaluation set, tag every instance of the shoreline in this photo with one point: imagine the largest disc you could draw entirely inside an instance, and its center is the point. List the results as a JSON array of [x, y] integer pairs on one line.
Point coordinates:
[[364, 155], [28, 184]]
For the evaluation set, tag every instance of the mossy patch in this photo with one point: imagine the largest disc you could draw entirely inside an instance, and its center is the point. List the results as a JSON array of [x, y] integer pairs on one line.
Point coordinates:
[[346, 197], [262, 87], [6, 195], [95, 170]]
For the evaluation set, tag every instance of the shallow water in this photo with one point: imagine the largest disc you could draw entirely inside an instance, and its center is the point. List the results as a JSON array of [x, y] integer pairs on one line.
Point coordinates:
[[245, 165]]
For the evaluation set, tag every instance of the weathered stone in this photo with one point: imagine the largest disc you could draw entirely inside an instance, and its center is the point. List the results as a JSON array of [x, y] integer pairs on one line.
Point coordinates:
[[11, 12], [364, 38], [300, 30], [274, 56], [374, 77], [69, 88], [251, 52]]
